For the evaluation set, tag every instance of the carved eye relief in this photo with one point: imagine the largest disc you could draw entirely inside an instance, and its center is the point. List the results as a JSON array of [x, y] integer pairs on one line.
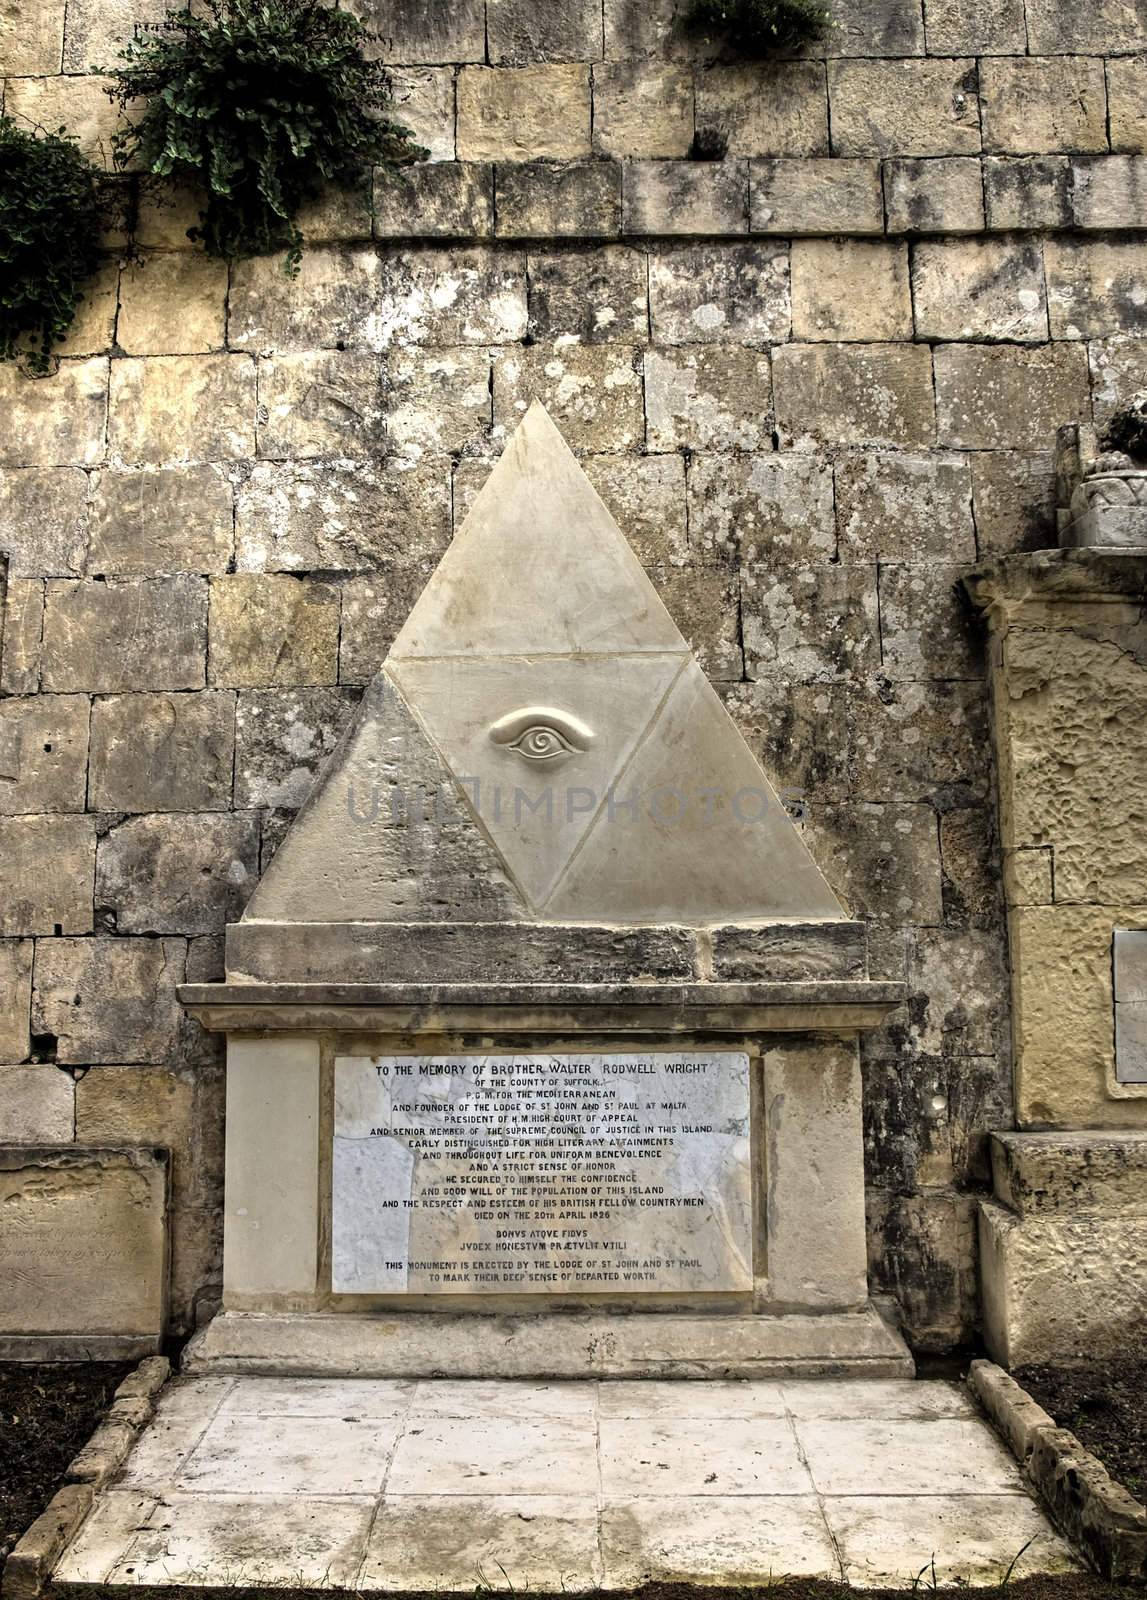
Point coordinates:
[[540, 734]]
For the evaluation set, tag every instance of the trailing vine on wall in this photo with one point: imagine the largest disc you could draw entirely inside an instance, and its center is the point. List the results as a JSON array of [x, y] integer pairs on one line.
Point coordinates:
[[50, 222], [762, 27], [260, 104]]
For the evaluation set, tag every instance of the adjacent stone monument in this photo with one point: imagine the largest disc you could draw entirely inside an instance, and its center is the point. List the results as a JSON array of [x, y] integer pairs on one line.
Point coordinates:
[[543, 1009]]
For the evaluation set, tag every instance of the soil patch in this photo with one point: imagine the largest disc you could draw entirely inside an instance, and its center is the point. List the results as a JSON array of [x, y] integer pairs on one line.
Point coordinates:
[[46, 1413], [1105, 1406]]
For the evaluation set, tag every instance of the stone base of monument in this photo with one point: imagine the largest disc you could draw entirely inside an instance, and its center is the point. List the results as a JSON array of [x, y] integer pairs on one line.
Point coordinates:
[[853, 1344]]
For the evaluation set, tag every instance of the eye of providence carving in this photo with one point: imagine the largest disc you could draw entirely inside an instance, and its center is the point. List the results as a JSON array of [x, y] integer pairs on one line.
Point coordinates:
[[541, 734]]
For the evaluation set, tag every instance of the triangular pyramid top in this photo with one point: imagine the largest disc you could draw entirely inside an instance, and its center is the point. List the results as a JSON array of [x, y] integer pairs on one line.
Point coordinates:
[[541, 745], [538, 567]]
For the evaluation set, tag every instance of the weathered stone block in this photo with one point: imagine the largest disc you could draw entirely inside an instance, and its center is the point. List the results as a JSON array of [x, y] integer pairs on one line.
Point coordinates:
[[334, 302], [450, 297], [423, 103], [1118, 373], [161, 520], [898, 507], [1027, 876], [876, 28], [320, 403], [271, 629], [799, 732], [774, 109], [969, 852], [813, 623], [904, 108], [46, 740], [518, 31], [593, 394], [882, 860], [1014, 496], [850, 290], [162, 752], [540, 200], [127, 633], [282, 738], [917, 740], [810, 197], [1034, 106], [1027, 192], [645, 495], [339, 516], [426, 30], [373, 610], [109, 999], [642, 109], [31, 38], [152, 283], [708, 294], [702, 600], [960, 985], [992, 397], [943, 194], [21, 636], [79, 103], [98, 29], [67, 1209], [37, 1105], [57, 420], [93, 329], [341, 214], [1108, 27], [638, 29], [15, 999], [44, 521], [524, 114], [1127, 102], [46, 868], [708, 397], [978, 289], [182, 408], [927, 629], [176, 874], [686, 197], [878, 394], [134, 1105], [976, 27], [1095, 287], [591, 297], [777, 509], [438, 200], [1109, 192]]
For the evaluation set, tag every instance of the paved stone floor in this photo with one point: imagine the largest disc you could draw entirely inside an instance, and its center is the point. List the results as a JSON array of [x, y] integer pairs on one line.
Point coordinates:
[[582, 1485]]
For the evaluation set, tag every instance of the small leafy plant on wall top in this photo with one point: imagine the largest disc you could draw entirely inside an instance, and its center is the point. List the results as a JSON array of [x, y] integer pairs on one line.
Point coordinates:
[[50, 220], [260, 104], [763, 27]]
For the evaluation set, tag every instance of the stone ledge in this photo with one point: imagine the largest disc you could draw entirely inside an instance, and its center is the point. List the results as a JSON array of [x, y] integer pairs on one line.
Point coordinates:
[[552, 1345], [1085, 1502], [30, 1561], [531, 952], [1076, 1173], [1003, 588], [543, 1008]]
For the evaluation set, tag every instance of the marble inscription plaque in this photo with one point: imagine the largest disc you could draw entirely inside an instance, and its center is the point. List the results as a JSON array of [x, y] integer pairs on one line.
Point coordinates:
[[542, 1174]]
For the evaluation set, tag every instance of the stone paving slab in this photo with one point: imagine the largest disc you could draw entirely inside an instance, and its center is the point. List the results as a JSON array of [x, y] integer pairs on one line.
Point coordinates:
[[379, 1484]]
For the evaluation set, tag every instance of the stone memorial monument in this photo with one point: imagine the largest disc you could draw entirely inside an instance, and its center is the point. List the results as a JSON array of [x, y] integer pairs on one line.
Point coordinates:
[[542, 1023]]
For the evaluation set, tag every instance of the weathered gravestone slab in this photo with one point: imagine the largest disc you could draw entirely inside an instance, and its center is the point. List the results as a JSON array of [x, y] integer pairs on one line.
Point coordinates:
[[542, 1174]]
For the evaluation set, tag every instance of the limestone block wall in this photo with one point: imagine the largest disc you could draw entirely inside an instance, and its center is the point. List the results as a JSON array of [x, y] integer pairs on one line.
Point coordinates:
[[816, 381]]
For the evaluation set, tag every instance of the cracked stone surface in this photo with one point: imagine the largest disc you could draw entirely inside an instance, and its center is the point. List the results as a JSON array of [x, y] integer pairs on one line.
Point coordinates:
[[406, 1485]]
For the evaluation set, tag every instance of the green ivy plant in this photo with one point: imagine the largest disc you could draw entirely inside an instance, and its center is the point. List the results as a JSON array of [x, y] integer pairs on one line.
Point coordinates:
[[260, 104], [50, 222], [762, 27]]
